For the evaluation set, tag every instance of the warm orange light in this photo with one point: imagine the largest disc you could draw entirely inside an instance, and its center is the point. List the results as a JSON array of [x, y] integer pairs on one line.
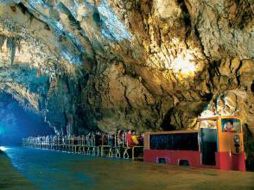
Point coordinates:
[[207, 113], [184, 64]]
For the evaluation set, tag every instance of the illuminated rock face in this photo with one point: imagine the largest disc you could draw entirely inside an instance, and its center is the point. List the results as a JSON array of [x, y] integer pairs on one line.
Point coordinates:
[[148, 64]]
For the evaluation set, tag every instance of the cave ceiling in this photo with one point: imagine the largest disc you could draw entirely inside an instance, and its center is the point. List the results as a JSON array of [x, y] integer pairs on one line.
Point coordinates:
[[140, 64]]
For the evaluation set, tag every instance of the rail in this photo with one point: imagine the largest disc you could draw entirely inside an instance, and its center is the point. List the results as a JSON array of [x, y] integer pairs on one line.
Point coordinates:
[[80, 146]]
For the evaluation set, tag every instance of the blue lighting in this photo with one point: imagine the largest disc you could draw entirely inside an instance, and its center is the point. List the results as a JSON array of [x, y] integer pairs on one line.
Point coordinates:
[[2, 129], [112, 27], [16, 123], [70, 57]]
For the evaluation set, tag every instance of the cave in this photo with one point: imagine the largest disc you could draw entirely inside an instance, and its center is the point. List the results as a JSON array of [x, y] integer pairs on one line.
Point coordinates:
[[18, 122], [73, 68]]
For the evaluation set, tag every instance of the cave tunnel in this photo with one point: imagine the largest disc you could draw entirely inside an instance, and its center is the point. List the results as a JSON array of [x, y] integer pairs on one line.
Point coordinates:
[[17, 122]]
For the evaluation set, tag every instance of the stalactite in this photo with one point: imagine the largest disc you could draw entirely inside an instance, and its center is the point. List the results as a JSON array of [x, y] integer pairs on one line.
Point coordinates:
[[11, 45], [2, 40], [18, 43]]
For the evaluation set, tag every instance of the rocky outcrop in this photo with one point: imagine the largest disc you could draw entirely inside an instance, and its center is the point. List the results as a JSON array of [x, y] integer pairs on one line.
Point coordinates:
[[146, 64]]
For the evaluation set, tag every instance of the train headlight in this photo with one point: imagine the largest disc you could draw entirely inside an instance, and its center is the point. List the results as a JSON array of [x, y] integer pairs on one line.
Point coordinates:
[[237, 139], [237, 143]]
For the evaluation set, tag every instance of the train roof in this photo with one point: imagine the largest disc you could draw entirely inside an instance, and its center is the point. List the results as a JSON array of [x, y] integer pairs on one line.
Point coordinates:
[[215, 117], [172, 132]]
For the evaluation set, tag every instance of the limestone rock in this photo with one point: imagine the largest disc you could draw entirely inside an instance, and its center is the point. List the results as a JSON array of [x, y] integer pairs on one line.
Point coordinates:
[[146, 65]]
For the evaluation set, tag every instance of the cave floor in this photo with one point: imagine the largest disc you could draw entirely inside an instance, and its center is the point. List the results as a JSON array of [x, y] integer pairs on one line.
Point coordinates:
[[55, 170], [10, 178]]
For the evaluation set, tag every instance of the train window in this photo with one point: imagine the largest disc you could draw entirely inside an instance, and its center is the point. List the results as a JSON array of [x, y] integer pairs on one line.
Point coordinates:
[[183, 141], [162, 160], [184, 163], [231, 125]]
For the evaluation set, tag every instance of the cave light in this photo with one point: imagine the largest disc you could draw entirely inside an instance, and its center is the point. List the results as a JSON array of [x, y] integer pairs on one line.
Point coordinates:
[[3, 148], [184, 64], [207, 113]]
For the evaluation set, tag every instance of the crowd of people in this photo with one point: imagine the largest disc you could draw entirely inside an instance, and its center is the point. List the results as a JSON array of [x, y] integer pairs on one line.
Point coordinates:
[[121, 138]]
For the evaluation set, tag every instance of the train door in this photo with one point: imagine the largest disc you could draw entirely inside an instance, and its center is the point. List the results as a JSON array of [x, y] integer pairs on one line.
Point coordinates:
[[208, 141]]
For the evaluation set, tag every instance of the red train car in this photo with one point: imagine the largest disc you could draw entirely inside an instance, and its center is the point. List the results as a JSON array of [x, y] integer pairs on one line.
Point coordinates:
[[218, 143]]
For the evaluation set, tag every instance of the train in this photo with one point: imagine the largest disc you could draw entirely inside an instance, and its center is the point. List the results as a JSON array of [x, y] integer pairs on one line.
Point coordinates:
[[217, 143]]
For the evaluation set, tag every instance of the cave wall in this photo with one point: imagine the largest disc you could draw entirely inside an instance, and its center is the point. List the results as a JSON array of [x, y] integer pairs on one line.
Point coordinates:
[[146, 64]]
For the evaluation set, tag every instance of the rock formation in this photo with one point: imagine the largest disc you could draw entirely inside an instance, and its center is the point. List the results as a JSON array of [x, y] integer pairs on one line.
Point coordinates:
[[143, 64]]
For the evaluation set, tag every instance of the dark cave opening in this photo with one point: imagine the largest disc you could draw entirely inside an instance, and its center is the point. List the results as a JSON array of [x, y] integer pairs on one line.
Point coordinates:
[[17, 122]]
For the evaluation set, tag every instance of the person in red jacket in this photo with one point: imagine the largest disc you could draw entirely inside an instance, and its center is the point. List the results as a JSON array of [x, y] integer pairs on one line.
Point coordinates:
[[129, 139]]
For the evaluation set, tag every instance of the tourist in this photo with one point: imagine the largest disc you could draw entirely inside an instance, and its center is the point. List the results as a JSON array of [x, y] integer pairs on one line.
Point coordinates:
[[104, 139], [98, 138], [129, 142], [134, 138], [131, 138], [83, 140], [88, 139], [228, 127], [111, 139], [120, 138], [92, 138], [141, 139]]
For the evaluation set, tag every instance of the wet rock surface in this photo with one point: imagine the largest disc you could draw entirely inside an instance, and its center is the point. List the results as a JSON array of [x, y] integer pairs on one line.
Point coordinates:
[[138, 64]]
